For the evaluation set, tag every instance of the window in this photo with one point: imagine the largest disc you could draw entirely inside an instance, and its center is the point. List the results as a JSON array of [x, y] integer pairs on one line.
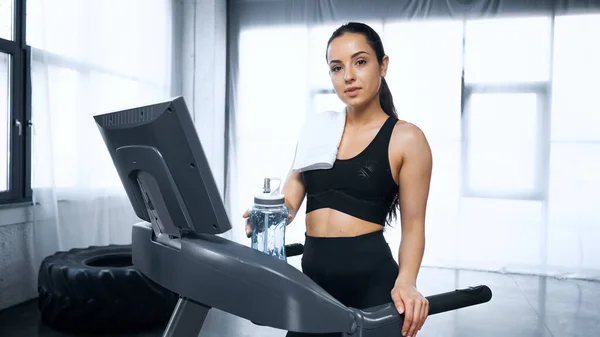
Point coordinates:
[[574, 165], [5, 105], [505, 107], [6, 19], [14, 102], [505, 119], [514, 50], [102, 59], [576, 79]]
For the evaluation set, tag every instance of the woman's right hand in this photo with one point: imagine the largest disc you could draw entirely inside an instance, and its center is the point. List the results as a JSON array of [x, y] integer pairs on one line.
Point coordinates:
[[246, 216], [294, 192]]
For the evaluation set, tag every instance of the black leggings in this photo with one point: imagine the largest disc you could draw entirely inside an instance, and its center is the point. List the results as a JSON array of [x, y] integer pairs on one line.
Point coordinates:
[[358, 271]]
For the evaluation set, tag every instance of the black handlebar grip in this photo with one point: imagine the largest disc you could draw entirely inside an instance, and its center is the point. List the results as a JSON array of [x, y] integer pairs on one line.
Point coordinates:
[[459, 298], [294, 249], [384, 320]]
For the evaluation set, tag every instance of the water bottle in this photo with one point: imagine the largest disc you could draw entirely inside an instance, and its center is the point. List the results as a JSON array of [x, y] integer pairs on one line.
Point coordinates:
[[268, 219]]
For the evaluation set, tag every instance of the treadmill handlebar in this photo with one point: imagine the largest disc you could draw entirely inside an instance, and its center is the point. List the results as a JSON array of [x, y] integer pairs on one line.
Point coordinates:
[[294, 249], [459, 298], [387, 315]]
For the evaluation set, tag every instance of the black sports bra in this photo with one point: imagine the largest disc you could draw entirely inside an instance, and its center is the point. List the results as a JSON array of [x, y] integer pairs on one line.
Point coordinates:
[[362, 186]]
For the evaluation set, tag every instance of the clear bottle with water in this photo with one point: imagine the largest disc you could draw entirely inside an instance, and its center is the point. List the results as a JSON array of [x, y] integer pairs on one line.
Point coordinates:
[[268, 220]]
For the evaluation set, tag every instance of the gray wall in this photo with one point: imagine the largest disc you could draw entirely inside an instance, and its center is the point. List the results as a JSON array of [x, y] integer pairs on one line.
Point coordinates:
[[17, 278], [200, 77]]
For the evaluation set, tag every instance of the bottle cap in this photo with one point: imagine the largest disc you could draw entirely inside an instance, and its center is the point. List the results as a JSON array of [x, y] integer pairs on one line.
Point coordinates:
[[270, 197]]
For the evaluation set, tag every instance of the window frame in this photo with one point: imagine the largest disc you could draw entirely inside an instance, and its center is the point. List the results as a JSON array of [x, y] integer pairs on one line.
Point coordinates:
[[542, 91], [19, 177]]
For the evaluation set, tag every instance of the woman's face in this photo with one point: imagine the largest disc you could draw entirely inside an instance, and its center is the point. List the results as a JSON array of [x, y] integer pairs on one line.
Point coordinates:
[[354, 70]]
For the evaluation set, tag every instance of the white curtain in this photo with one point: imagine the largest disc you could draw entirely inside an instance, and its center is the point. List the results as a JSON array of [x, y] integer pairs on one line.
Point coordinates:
[[89, 57], [515, 179]]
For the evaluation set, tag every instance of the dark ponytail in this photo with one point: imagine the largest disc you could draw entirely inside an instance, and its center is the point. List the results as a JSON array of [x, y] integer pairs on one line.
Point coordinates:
[[386, 100], [385, 95]]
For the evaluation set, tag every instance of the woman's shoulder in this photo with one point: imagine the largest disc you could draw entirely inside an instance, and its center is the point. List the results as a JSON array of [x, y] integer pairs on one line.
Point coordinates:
[[406, 131], [408, 140]]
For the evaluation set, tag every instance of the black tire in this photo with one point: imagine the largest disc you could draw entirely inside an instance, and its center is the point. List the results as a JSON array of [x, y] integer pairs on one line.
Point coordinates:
[[97, 289]]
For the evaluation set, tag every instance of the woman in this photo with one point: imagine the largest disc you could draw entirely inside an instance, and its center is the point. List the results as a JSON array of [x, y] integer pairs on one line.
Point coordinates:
[[382, 164]]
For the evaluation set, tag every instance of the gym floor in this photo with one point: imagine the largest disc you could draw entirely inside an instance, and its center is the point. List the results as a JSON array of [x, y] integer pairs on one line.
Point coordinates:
[[524, 306]]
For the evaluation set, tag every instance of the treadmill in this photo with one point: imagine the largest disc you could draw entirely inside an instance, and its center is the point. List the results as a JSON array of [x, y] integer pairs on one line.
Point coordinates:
[[167, 178]]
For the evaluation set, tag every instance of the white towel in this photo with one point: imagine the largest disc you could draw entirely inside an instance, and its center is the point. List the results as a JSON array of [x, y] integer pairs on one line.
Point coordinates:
[[319, 141]]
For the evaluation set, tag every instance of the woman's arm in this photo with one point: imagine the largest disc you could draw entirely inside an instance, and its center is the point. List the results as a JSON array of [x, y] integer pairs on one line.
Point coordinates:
[[414, 181], [294, 193]]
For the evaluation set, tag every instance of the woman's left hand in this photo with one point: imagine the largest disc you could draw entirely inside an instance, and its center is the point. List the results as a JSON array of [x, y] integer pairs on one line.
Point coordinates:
[[413, 305]]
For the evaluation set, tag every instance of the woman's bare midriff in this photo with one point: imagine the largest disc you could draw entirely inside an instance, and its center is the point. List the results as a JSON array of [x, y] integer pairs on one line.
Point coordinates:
[[327, 222]]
